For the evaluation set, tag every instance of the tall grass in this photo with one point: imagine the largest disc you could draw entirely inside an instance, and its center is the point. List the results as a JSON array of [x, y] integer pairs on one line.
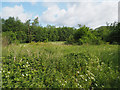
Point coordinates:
[[57, 65]]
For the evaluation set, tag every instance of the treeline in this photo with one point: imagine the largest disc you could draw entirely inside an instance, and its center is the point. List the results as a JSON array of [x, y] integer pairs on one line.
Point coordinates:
[[15, 31]]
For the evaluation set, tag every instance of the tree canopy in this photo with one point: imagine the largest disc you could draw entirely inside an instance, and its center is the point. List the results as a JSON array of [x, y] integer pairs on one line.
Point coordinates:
[[16, 31]]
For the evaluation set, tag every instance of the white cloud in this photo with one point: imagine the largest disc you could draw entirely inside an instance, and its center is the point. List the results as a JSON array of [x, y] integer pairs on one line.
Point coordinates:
[[16, 11], [91, 14], [52, 14]]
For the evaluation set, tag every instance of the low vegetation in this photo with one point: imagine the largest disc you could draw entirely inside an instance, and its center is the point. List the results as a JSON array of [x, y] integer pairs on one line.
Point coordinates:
[[56, 65]]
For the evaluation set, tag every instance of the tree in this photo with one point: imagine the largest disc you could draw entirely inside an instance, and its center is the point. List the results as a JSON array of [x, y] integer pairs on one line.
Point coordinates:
[[82, 31]]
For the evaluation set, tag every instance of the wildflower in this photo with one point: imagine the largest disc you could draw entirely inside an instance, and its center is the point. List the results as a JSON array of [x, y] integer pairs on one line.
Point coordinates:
[[102, 86], [96, 84], [65, 81], [9, 72], [20, 60], [63, 84], [93, 78], [85, 79], [82, 76], [78, 72], [92, 74], [88, 77], [80, 86], [7, 75], [26, 74], [0, 71], [22, 74], [88, 71], [27, 62], [102, 63], [14, 58]]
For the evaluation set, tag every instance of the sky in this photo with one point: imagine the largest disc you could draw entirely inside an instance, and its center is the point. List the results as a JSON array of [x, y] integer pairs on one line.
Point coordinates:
[[92, 13]]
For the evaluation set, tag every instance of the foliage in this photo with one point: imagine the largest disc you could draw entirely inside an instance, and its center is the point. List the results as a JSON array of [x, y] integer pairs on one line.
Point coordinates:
[[84, 35], [110, 33], [49, 65], [32, 31]]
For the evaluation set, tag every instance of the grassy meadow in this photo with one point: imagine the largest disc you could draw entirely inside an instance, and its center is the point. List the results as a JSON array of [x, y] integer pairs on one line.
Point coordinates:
[[56, 65]]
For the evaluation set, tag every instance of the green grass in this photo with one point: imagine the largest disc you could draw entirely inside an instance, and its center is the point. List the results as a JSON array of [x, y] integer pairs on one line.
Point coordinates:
[[56, 65]]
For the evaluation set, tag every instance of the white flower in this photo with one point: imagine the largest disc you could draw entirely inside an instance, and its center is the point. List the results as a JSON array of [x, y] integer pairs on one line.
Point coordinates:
[[88, 71], [26, 74], [27, 62], [21, 60], [63, 84], [102, 63], [22, 74], [65, 81], [96, 84], [92, 74], [80, 86], [88, 77], [9, 72], [14, 58], [93, 78], [78, 72], [85, 79], [82, 76], [7, 76]]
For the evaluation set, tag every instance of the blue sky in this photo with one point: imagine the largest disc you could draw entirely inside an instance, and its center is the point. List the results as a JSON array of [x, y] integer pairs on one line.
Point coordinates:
[[38, 8], [91, 14]]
